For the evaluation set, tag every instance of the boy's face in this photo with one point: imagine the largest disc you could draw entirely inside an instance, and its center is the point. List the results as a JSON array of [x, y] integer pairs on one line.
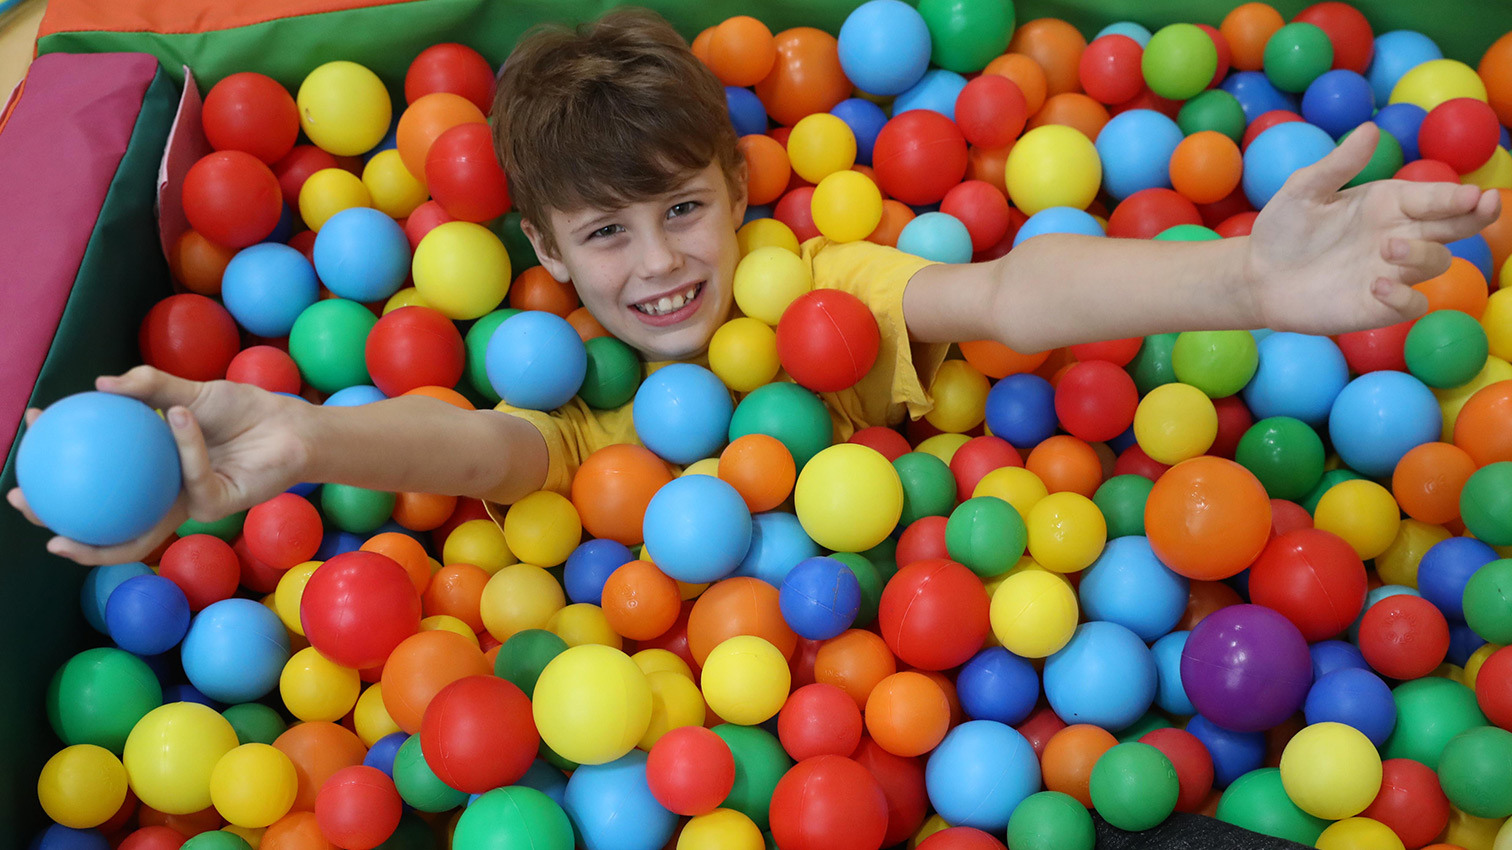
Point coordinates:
[[658, 273]]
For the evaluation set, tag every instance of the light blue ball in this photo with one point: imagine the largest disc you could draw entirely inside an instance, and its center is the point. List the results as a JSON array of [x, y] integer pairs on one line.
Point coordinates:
[[362, 254], [936, 91], [1170, 693], [682, 412], [147, 615], [1105, 676], [590, 565], [884, 47], [1379, 417], [1338, 101], [1383, 592], [1125, 28], [235, 650], [1277, 153], [101, 469], [778, 543], [1135, 148], [543, 777], [819, 598], [1393, 55], [936, 236], [265, 287], [1299, 376], [865, 120], [98, 584], [697, 529], [536, 361], [746, 111], [612, 807], [1354, 697], [1129, 586], [1058, 220], [355, 395], [1402, 121], [1477, 251], [1256, 94], [980, 773], [997, 685]]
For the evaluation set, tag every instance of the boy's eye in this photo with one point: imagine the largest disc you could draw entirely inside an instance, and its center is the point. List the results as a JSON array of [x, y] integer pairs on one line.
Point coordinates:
[[606, 231], [682, 209]]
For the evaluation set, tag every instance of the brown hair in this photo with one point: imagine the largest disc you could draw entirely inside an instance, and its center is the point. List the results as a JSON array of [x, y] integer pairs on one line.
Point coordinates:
[[614, 112]]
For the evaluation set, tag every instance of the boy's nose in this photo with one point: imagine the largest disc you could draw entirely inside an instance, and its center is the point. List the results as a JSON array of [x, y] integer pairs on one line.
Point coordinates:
[[659, 256]]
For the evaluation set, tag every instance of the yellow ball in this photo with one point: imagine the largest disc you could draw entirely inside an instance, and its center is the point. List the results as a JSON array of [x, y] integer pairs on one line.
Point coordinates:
[[746, 680], [584, 623], [344, 108], [1497, 319], [1015, 485], [1495, 174], [519, 597], [171, 752], [848, 498], [662, 660], [1474, 833], [1066, 532], [1363, 513], [822, 144], [846, 205], [675, 701], [370, 718], [768, 280], [461, 269], [1475, 661], [1399, 563], [721, 829], [1052, 166], [1033, 613], [743, 354], [542, 528], [406, 297], [703, 466], [1331, 770], [942, 446], [765, 233], [328, 192], [82, 786], [448, 623], [289, 592], [252, 835], [395, 191], [1452, 400], [253, 785], [1175, 422], [934, 823], [479, 542], [592, 704], [1358, 834], [315, 688], [1436, 81], [960, 397]]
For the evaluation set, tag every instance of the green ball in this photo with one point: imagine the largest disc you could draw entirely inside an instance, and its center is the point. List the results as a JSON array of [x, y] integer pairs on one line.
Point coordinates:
[[1151, 721], [1051, 820], [1486, 503], [760, 762], [986, 535], [1476, 772], [419, 785], [613, 376], [789, 413], [1446, 348], [1179, 61], [1258, 802], [1214, 109], [967, 34], [328, 343], [1122, 502], [1187, 233], [1286, 454], [216, 839], [254, 723], [1326, 483], [1430, 712], [929, 488], [522, 658], [1488, 602], [1151, 367], [1384, 162], [1134, 786], [97, 696], [412, 834], [884, 556], [556, 759], [1297, 54], [516, 816], [522, 254], [1219, 363], [226, 528], [355, 509], [476, 343], [871, 586]]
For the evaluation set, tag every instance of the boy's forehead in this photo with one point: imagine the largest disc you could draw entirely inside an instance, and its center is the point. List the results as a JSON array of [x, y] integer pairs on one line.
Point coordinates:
[[581, 213]]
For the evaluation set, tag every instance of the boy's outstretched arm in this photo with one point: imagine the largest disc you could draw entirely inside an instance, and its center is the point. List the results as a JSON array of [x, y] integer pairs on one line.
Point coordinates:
[[1319, 260]]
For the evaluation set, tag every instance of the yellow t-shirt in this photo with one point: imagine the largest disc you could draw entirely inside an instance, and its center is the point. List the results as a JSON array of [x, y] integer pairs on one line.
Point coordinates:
[[896, 386]]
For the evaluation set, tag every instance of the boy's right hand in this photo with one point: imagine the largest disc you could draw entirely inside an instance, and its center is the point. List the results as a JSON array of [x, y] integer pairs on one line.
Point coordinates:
[[239, 445]]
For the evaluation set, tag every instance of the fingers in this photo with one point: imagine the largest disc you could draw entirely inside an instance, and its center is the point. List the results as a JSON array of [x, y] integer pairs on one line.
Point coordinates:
[[1434, 201], [133, 550], [31, 415], [153, 386], [200, 482], [1416, 260], [1329, 174], [1406, 301], [17, 500]]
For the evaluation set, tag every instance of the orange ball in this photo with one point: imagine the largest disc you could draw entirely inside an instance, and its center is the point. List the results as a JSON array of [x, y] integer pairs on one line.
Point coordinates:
[[1461, 288], [192, 824], [640, 601], [1066, 463], [947, 687], [996, 360], [1495, 71], [446, 394], [1206, 167], [586, 326], [767, 168], [198, 263], [427, 118], [1428, 480], [738, 606], [456, 590], [318, 749], [895, 216], [1069, 757], [1057, 46], [741, 51], [854, 661], [612, 488], [423, 511], [1075, 110], [1247, 29], [1207, 518], [420, 666], [806, 78], [1023, 70], [1484, 425], [989, 165], [907, 714], [407, 552], [1203, 598], [700, 45], [536, 289], [295, 831], [1499, 232], [761, 470]]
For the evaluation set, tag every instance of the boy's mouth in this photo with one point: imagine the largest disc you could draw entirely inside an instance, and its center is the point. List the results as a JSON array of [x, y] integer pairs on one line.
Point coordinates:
[[669, 309]]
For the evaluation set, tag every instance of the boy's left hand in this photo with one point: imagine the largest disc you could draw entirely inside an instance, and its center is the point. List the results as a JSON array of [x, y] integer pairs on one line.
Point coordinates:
[[1323, 260]]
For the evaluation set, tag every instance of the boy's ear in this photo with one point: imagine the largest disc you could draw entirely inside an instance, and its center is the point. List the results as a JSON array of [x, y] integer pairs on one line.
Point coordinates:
[[550, 261], [741, 196]]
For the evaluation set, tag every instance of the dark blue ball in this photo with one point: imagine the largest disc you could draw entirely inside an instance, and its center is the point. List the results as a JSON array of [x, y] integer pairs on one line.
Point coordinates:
[[1338, 101], [746, 111], [1445, 570], [1402, 121], [998, 685], [1477, 250], [1021, 410], [865, 120], [819, 598], [590, 565], [1234, 753], [1354, 697], [1257, 95], [147, 615]]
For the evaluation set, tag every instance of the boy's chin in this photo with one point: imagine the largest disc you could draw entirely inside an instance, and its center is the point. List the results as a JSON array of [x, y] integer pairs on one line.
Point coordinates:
[[680, 344]]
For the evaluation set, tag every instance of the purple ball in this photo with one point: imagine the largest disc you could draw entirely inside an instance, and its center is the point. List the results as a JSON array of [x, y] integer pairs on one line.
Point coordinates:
[[1246, 668]]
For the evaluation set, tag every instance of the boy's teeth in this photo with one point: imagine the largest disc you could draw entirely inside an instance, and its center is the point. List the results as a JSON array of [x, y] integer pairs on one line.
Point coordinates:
[[668, 304]]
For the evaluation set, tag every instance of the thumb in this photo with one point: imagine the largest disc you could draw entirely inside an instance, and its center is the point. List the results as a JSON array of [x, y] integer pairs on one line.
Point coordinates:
[[1329, 174]]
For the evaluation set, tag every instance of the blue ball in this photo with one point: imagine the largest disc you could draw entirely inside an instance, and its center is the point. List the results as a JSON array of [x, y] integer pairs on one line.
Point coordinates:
[[590, 565], [884, 47], [357, 394], [612, 807], [819, 598], [284, 229], [1338, 101], [1021, 410], [1477, 251], [235, 650], [1257, 95], [682, 412], [98, 585], [998, 685], [1379, 417], [390, 142], [1170, 693], [267, 286], [1331, 655], [1463, 642], [1299, 376], [59, 837], [1354, 697], [1234, 753], [697, 529], [778, 544], [547, 779], [336, 542], [1383, 592], [937, 91], [1135, 148], [1121, 443], [185, 692], [536, 360], [1105, 676], [381, 754], [1445, 570], [746, 111], [936, 236], [147, 615], [1277, 153], [1058, 220], [980, 773], [1393, 55], [1129, 586], [1402, 121], [101, 469], [362, 254], [1125, 28], [755, 211], [865, 120]]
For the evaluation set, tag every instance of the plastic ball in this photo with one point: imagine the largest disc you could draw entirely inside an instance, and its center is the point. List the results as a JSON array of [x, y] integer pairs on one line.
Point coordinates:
[[232, 198], [1485, 603], [478, 734], [357, 607], [980, 773], [1096, 400], [1129, 586], [907, 714], [1134, 786], [1136, 150], [1284, 454], [934, 614], [1110, 68], [344, 108], [251, 112], [827, 340], [1410, 802], [1220, 363], [1356, 698], [97, 696], [820, 598], [1175, 422], [536, 361], [820, 145], [234, 651], [1050, 819], [1179, 61], [807, 76], [937, 236], [1357, 832], [1312, 577], [1338, 101], [919, 156], [1052, 166], [745, 680], [884, 47], [847, 205], [525, 654], [1331, 770], [463, 174], [612, 806], [1446, 570], [966, 38], [697, 528], [848, 498], [1276, 154], [1297, 54], [1258, 801], [1299, 375], [361, 254], [1206, 167], [613, 488], [767, 280], [190, 336], [1404, 636], [1246, 668], [1033, 613], [1446, 348], [517, 813], [690, 770], [327, 343], [986, 535], [1484, 503], [414, 347], [591, 704], [253, 785], [1361, 512], [147, 615], [1066, 532], [1435, 81], [997, 685], [461, 269], [171, 754], [1021, 409], [1105, 675], [82, 786]]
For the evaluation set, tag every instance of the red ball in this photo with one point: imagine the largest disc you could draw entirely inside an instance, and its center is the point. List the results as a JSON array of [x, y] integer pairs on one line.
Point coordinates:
[[819, 719], [828, 803], [232, 198], [283, 531], [1411, 802], [1238, 224], [1225, 54], [980, 206], [190, 336], [1311, 577], [977, 457], [1040, 727], [1095, 401], [902, 781], [357, 607], [1427, 171], [251, 112], [267, 367], [204, 567], [1194, 766], [154, 838], [478, 734], [887, 442], [1134, 461], [934, 614], [924, 540], [1119, 352], [1461, 133], [795, 209], [690, 770], [256, 575], [1265, 121], [414, 347], [990, 111], [1353, 40], [1404, 637], [1148, 212], [1376, 350], [1234, 418], [919, 156], [454, 68], [827, 340], [297, 166], [1493, 687], [1110, 69], [1288, 516], [961, 838], [423, 220], [463, 174], [1229, 211], [358, 807]]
